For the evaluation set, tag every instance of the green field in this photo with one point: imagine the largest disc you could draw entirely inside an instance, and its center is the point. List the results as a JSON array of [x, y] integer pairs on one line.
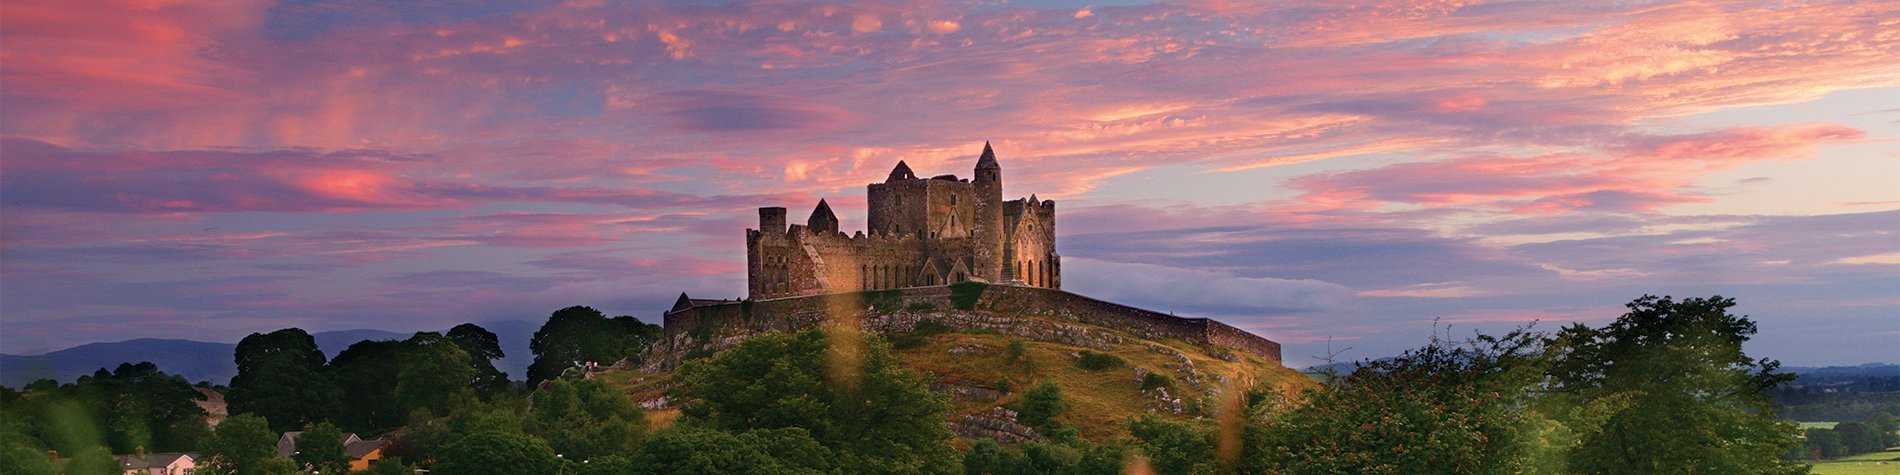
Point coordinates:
[[1883, 463], [1817, 425]]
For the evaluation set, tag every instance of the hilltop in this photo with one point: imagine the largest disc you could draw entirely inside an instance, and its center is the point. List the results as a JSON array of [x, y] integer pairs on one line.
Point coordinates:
[[984, 346]]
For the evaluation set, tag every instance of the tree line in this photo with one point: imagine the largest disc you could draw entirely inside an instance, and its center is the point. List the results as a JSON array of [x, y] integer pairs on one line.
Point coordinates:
[[1875, 434], [285, 383], [1665, 388]]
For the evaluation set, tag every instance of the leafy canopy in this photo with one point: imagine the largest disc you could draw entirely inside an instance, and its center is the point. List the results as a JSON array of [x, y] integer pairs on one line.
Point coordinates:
[[1670, 391], [845, 389], [578, 334], [281, 377]]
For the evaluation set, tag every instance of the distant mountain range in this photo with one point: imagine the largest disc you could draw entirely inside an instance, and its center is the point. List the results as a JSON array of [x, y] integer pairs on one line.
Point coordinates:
[[214, 362]]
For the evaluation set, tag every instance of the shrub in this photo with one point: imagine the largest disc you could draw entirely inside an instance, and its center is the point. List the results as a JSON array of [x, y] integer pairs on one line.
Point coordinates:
[[964, 294], [1041, 405], [1015, 350], [1156, 380], [1017, 353], [1097, 361]]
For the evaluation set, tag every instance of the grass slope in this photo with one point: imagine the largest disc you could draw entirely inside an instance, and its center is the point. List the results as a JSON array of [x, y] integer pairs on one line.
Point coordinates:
[[1100, 402], [1884, 463]]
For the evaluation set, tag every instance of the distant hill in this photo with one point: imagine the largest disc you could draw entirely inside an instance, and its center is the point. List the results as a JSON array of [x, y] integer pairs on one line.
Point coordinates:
[[195, 360], [1824, 375], [210, 361], [1839, 393]]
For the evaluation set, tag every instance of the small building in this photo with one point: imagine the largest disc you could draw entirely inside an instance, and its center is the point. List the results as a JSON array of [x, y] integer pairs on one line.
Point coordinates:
[[364, 451], [142, 463], [361, 451]]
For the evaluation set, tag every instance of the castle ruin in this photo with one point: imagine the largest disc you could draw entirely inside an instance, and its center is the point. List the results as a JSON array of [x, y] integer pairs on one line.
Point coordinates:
[[932, 250], [921, 232]]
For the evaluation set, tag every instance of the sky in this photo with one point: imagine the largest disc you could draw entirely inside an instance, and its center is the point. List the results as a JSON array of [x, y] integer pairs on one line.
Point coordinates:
[[1344, 177]]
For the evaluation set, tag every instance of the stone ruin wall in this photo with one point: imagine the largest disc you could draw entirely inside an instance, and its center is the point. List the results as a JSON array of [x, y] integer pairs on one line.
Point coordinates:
[[1031, 227], [803, 262], [703, 330]]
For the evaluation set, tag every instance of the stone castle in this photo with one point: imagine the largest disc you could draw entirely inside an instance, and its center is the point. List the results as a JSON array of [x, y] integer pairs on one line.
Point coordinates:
[[942, 249], [922, 232]]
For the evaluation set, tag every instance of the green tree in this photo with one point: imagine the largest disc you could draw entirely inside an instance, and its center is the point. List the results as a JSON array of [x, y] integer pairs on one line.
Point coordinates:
[[987, 457], [281, 377], [1173, 446], [321, 448], [1442, 408], [433, 372], [585, 419], [1825, 443], [1860, 437], [141, 407], [96, 460], [242, 445], [366, 374], [1670, 391], [1041, 405], [496, 452], [1888, 426], [427, 435], [483, 348], [691, 449], [578, 333], [877, 415], [20, 454]]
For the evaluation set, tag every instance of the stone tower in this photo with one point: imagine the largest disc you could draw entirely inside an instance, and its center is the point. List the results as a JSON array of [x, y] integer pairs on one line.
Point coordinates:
[[988, 226]]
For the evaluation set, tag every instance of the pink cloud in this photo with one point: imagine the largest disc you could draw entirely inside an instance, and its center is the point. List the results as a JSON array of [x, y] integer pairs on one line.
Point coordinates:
[[587, 141], [1653, 171]]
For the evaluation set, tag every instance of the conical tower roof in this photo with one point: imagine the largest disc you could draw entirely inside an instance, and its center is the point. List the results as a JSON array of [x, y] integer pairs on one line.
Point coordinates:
[[988, 160]]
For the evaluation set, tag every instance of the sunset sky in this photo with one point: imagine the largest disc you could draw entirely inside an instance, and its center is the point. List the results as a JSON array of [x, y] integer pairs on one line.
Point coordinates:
[[1348, 169]]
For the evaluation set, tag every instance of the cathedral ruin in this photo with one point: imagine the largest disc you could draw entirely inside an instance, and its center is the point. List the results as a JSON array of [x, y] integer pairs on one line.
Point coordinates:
[[941, 249], [921, 232]]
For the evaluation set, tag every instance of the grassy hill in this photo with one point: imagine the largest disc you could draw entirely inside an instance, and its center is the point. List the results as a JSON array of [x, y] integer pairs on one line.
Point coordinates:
[[1104, 385]]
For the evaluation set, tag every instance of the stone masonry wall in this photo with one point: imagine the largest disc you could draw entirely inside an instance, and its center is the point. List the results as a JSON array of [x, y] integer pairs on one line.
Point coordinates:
[[702, 330]]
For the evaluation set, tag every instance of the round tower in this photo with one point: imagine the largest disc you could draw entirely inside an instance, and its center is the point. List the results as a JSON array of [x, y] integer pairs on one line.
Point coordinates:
[[988, 228]]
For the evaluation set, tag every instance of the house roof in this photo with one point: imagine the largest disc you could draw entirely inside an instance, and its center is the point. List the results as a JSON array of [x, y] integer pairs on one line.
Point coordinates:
[[287, 444], [136, 462], [361, 448]]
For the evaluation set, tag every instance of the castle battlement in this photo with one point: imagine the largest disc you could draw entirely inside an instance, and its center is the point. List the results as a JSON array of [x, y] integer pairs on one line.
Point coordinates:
[[921, 232]]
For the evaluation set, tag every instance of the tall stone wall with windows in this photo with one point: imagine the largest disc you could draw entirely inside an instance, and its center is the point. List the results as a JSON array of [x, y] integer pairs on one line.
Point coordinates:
[[920, 232]]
